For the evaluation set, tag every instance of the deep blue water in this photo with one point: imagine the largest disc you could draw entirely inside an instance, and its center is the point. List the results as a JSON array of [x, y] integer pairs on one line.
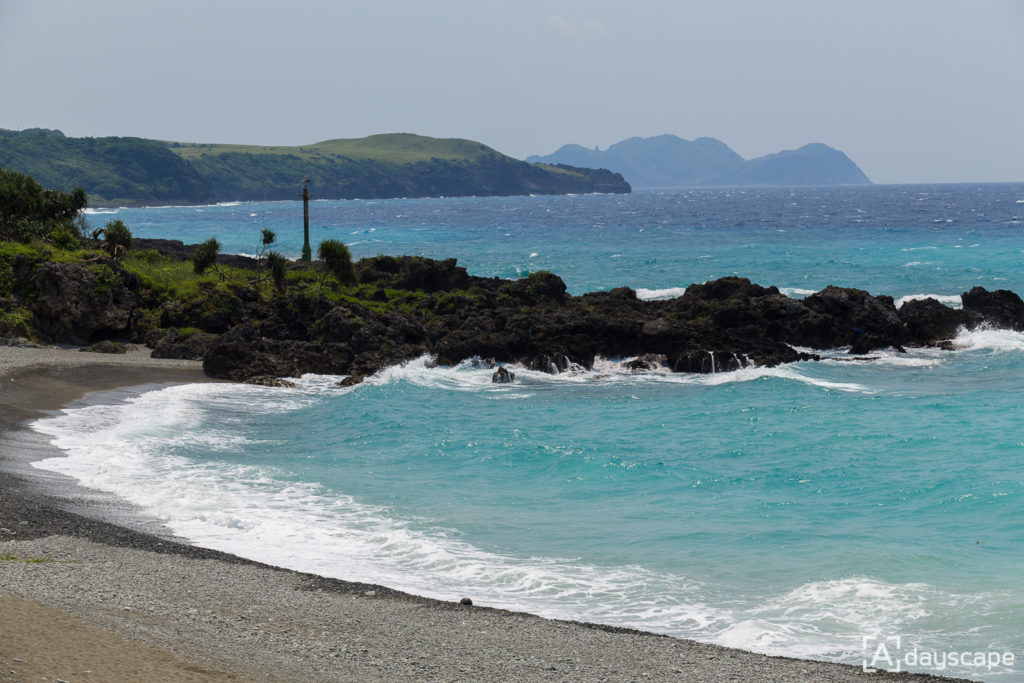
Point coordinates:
[[794, 511], [895, 240]]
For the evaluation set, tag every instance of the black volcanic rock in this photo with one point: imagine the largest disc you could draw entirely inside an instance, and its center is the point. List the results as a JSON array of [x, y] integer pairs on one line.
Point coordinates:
[[842, 316], [928, 321], [717, 326], [412, 272], [503, 376], [645, 363], [1002, 307], [74, 305], [413, 306]]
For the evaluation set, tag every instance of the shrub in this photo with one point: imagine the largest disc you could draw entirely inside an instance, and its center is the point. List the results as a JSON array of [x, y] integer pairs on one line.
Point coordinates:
[[336, 259], [205, 256], [66, 239], [16, 323], [117, 238], [277, 267], [150, 256], [27, 211]]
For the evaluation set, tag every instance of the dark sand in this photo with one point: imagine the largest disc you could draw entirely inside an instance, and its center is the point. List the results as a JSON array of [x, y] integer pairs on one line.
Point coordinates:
[[82, 598]]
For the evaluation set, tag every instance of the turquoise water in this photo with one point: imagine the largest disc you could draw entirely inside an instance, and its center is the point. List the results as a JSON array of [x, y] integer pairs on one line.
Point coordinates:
[[794, 510]]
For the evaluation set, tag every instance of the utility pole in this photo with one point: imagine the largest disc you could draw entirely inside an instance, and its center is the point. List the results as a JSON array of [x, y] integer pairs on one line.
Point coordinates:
[[307, 252]]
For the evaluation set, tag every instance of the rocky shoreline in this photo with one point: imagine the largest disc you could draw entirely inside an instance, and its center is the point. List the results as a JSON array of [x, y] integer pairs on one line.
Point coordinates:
[[406, 307]]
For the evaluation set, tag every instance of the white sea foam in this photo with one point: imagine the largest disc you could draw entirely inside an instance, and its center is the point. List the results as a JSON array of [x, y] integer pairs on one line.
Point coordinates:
[[645, 294], [256, 512], [470, 375], [951, 300], [989, 339], [827, 619], [919, 358], [94, 212], [617, 372], [474, 375], [797, 291], [787, 372]]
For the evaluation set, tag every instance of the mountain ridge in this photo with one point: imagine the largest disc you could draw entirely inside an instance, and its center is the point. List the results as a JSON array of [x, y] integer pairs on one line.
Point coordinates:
[[666, 161]]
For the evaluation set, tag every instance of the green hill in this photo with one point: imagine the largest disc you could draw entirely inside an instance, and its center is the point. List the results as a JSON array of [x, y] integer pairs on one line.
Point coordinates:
[[141, 171], [111, 170]]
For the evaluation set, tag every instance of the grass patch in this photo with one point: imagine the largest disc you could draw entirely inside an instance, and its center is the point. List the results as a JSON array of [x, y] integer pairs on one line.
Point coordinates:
[[11, 557], [178, 279], [168, 276], [395, 148], [17, 323], [563, 170]]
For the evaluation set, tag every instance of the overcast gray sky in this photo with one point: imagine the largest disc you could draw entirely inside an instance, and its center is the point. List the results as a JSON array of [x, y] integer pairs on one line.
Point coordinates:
[[911, 90]]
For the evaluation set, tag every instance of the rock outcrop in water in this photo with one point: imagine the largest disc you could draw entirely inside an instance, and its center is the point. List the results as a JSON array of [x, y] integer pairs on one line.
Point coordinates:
[[406, 307]]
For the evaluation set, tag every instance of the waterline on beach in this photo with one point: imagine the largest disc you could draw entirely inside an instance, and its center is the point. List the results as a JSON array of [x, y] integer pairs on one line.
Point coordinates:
[[355, 483]]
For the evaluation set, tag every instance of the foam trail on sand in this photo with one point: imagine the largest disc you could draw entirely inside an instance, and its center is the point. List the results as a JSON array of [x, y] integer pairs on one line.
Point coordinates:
[[257, 512], [829, 619]]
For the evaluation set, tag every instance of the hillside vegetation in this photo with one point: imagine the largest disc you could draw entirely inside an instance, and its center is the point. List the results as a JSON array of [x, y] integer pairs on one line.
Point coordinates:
[[137, 171], [396, 148], [112, 170]]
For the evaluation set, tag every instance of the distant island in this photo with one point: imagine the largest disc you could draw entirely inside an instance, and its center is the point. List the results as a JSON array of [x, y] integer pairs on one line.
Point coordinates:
[[138, 171], [670, 161]]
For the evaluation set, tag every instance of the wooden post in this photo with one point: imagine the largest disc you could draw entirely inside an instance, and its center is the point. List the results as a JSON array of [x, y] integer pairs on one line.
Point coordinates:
[[307, 252]]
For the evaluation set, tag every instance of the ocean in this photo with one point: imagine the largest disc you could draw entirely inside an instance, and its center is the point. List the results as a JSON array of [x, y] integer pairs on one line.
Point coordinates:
[[862, 511]]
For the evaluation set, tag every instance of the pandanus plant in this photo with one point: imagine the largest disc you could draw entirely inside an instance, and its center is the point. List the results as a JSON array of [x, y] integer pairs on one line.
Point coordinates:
[[335, 260]]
